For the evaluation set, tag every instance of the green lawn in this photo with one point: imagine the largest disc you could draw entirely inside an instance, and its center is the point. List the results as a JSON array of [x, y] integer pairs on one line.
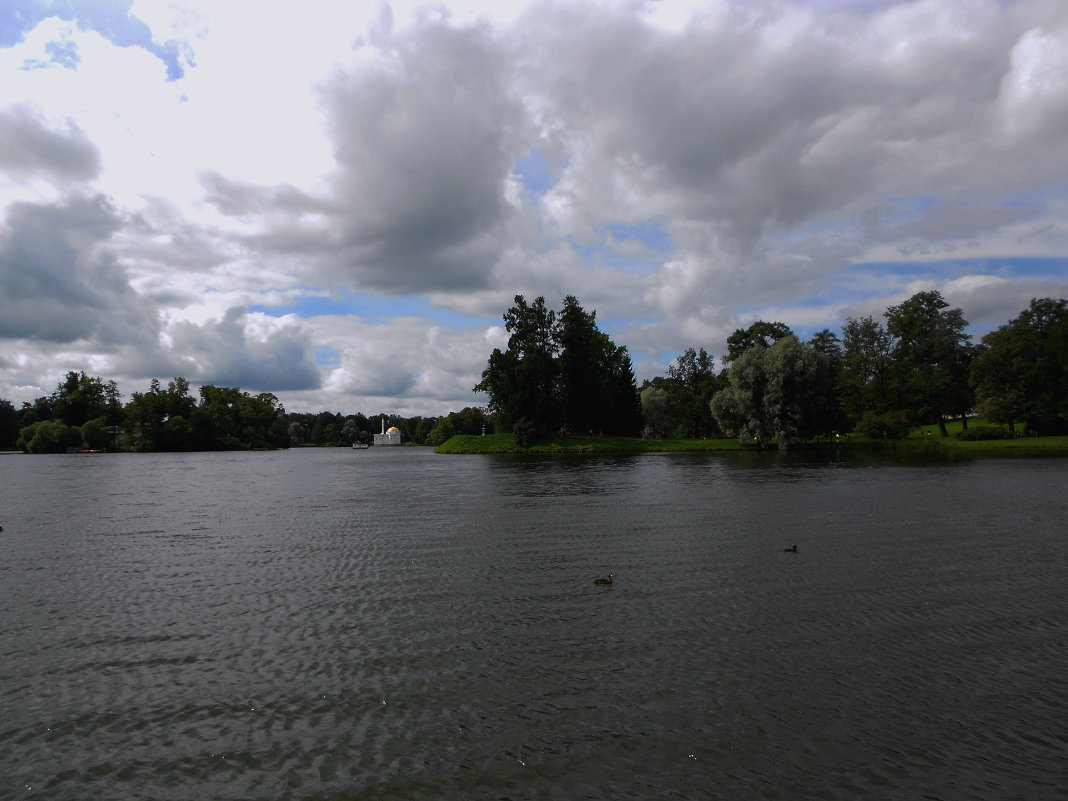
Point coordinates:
[[922, 438], [504, 443], [929, 435]]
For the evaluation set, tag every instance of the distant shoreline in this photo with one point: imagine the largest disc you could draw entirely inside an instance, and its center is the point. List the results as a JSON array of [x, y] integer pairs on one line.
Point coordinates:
[[505, 443]]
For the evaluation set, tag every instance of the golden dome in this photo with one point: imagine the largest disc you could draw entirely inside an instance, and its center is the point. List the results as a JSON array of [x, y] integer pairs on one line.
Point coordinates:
[[392, 430]]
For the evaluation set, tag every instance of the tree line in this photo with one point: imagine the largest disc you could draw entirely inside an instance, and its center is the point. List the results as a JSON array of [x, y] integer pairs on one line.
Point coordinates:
[[881, 378], [915, 366], [87, 413]]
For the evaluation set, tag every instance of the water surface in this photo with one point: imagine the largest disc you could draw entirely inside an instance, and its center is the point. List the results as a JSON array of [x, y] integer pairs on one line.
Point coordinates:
[[391, 623]]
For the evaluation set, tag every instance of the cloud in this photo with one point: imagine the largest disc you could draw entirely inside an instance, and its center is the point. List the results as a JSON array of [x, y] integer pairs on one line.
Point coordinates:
[[425, 136], [242, 199], [407, 363], [30, 147], [251, 351], [110, 18], [59, 280], [682, 168], [777, 143]]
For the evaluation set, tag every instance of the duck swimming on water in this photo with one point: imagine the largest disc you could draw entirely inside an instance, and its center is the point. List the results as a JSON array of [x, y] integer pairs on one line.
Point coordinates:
[[790, 550], [606, 580]]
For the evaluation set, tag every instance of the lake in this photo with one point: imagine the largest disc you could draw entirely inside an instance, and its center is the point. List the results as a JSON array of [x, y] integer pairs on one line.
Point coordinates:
[[396, 624]]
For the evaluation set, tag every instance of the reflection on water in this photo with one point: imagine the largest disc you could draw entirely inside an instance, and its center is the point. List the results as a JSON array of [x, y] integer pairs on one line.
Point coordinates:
[[392, 623]]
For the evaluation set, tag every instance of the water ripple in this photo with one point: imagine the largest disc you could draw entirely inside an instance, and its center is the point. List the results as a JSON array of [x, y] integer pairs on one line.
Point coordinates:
[[346, 625]]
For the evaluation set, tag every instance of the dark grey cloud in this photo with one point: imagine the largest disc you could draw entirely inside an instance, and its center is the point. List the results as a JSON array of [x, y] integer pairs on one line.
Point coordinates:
[[241, 199], [29, 147], [271, 357], [60, 282], [425, 142], [159, 239]]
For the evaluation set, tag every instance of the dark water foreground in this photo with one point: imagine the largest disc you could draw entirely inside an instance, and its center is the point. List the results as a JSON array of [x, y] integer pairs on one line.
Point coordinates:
[[392, 624]]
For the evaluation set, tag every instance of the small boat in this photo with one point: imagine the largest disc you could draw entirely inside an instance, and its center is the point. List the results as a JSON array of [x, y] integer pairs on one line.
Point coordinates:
[[360, 446]]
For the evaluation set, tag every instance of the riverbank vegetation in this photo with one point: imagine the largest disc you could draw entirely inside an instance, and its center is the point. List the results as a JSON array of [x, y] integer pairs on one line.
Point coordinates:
[[919, 441], [914, 377], [87, 413], [581, 443], [878, 383]]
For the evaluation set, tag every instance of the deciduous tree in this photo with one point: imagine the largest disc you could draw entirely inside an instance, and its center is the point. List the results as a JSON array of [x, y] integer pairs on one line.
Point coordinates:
[[9, 425], [560, 371], [692, 382], [1021, 371], [864, 377], [655, 412], [521, 381], [932, 356], [760, 333]]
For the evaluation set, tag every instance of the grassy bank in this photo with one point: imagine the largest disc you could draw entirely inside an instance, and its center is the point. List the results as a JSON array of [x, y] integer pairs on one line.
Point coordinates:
[[928, 437], [922, 439], [1053, 446], [504, 443]]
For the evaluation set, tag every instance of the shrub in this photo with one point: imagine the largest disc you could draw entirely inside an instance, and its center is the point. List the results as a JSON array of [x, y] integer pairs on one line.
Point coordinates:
[[984, 432], [49, 436], [890, 425], [525, 432]]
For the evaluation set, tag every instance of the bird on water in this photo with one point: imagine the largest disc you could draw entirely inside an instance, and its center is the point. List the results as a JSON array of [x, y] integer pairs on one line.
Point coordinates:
[[606, 580], [790, 550]]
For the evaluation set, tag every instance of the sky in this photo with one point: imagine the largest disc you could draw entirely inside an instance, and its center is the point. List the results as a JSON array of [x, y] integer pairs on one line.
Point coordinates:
[[336, 201]]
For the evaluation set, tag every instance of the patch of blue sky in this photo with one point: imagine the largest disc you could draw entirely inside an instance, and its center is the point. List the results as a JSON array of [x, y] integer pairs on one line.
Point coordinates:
[[902, 209], [1007, 267], [815, 300], [305, 306], [327, 357], [653, 241], [650, 233], [1037, 196], [537, 172], [370, 308], [17, 17], [65, 54], [112, 19], [609, 257]]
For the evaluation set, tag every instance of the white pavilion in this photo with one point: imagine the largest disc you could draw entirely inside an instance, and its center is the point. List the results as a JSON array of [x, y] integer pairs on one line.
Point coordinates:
[[390, 436]]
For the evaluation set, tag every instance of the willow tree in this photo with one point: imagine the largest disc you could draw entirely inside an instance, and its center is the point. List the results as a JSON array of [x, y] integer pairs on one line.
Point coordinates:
[[775, 393]]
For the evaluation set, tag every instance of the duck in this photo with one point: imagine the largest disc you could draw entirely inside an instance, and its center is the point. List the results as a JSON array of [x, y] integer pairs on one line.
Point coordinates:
[[606, 580], [790, 550]]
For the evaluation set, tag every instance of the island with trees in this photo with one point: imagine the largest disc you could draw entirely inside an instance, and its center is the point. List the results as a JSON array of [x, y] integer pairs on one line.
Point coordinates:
[[882, 380], [562, 384]]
